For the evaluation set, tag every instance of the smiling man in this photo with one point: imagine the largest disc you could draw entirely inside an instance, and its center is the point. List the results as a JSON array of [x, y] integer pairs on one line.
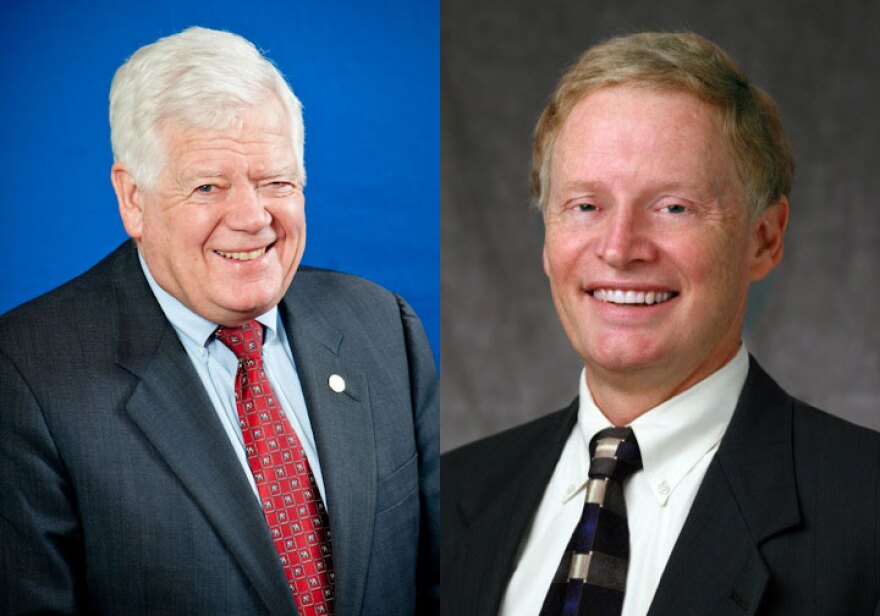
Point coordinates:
[[198, 425], [682, 480]]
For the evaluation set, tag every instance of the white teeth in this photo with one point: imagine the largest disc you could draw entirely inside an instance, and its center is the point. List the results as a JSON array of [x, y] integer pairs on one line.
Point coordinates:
[[242, 256], [619, 296]]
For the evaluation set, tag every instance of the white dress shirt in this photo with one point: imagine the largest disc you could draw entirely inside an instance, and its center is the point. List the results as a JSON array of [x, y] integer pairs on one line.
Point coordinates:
[[677, 440], [216, 366]]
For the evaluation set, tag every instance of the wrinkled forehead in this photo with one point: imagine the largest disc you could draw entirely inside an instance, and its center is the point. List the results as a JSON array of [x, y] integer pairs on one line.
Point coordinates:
[[268, 115], [256, 139]]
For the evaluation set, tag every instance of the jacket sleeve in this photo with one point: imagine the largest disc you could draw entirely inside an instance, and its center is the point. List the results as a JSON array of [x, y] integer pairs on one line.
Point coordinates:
[[425, 404], [41, 559]]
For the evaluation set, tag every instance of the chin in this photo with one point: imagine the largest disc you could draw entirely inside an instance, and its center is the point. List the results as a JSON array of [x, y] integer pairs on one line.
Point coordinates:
[[620, 356], [622, 364], [258, 297], [246, 310]]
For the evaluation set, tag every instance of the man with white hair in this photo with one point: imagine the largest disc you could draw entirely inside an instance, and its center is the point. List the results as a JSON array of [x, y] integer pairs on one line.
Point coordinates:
[[182, 430]]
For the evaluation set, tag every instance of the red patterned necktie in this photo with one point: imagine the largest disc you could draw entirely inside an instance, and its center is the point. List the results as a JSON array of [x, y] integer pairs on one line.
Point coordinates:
[[288, 494]]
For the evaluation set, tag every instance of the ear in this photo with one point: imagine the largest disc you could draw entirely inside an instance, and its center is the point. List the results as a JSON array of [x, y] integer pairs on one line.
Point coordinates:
[[130, 199], [768, 232], [544, 259]]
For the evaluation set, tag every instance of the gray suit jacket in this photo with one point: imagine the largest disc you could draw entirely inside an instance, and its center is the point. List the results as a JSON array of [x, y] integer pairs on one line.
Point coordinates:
[[120, 492], [785, 522]]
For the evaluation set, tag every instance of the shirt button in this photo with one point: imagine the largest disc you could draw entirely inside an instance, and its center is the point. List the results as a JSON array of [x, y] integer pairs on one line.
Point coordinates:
[[663, 488]]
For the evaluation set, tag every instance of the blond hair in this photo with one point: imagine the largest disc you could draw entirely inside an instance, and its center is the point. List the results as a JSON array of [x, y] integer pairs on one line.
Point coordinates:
[[682, 62]]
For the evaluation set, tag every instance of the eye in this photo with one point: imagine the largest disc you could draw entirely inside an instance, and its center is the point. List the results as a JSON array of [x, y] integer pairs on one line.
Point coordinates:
[[280, 188], [206, 188], [675, 208], [586, 207]]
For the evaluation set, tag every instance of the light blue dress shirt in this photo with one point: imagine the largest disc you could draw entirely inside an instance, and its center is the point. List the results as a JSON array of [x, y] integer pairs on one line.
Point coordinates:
[[216, 366]]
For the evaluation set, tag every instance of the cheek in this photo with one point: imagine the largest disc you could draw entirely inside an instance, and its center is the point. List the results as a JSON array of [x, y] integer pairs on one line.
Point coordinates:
[[193, 232], [714, 265], [288, 216], [562, 253], [157, 232], [296, 221]]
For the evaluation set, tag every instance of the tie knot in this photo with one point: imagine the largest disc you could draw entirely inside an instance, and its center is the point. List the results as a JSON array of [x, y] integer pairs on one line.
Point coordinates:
[[245, 341], [614, 454]]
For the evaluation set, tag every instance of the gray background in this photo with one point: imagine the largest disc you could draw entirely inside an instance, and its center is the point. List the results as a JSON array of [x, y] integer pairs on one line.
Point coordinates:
[[813, 324]]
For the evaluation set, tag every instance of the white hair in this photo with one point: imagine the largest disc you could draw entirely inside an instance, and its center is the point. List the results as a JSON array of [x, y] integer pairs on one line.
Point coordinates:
[[199, 78]]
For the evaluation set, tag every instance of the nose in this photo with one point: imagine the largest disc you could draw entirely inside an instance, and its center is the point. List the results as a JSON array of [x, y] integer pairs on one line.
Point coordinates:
[[247, 211], [624, 238]]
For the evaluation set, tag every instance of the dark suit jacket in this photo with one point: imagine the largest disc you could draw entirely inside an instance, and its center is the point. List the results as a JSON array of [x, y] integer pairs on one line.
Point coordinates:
[[120, 492], [786, 521]]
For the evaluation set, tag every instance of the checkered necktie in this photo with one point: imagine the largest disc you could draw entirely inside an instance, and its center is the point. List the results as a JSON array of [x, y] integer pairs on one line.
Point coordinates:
[[288, 494], [591, 578]]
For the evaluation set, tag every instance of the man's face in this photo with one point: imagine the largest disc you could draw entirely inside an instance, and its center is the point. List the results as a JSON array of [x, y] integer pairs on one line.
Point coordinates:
[[224, 230], [648, 245]]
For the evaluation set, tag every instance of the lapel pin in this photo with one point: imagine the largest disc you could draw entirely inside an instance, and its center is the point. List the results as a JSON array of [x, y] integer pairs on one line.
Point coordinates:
[[336, 383]]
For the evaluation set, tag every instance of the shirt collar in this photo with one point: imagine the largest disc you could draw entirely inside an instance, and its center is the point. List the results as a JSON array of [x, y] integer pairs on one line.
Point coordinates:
[[674, 436], [194, 327]]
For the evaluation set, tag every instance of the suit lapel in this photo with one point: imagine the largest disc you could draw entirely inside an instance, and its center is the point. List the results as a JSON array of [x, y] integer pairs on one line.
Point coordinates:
[[343, 426], [173, 411], [496, 522], [747, 496]]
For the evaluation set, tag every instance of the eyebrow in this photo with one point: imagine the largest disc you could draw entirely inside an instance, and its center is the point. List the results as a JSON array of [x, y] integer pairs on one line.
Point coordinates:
[[591, 186], [203, 173], [582, 186], [284, 172]]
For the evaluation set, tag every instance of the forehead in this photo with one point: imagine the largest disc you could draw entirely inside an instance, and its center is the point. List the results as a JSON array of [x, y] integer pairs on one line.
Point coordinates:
[[259, 133], [645, 132]]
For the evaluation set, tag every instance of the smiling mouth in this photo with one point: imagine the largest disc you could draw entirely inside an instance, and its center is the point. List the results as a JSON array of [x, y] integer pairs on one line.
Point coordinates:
[[244, 256], [632, 298]]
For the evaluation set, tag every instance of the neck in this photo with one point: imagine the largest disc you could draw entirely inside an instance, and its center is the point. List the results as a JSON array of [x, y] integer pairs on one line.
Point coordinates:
[[622, 406]]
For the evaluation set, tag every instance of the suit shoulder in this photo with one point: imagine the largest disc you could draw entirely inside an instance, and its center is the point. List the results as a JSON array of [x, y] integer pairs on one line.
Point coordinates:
[[80, 301], [814, 431], [330, 285], [368, 316], [511, 437], [489, 457], [817, 428], [324, 276]]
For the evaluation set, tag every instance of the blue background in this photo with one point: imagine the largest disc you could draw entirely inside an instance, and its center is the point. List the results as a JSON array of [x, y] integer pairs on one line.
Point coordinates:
[[366, 73]]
